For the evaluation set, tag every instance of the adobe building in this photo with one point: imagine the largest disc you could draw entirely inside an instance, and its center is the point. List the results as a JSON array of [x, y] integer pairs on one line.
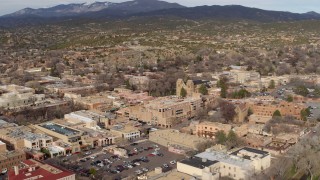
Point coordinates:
[[240, 164], [165, 111], [9, 159], [266, 109], [209, 129]]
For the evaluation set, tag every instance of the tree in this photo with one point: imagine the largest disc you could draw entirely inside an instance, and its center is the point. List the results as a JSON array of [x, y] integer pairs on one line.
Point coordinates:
[[233, 140], [203, 89], [242, 93], [93, 171], [304, 113], [272, 84], [301, 90], [276, 114], [183, 92], [289, 98], [204, 145], [227, 110], [221, 137], [223, 84]]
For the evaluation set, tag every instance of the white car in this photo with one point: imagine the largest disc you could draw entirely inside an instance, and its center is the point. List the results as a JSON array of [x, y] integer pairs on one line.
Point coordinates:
[[130, 167], [173, 162], [5, 170], [145, 169], [137, 163]]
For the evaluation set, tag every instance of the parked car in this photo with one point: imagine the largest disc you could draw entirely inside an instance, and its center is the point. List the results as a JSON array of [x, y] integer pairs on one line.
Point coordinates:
[[173, 162], [165, 165], [145, 169]]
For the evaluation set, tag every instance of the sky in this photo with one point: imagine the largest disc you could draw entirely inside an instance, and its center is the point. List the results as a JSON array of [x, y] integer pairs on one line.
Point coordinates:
[[299, 6]]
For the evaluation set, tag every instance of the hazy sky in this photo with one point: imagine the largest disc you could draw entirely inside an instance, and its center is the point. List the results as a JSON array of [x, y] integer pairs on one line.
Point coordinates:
[[9, 6]]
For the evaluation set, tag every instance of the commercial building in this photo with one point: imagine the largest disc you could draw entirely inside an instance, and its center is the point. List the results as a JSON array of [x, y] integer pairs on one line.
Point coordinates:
[[32, 169], [11, 158], [239, 164], [100, 102], [266, 109], [165, 111], [22, 137], [13, 96], [126, 131], [209, 129], [131, 98], [89, 118], [199, 168], [77, 139]]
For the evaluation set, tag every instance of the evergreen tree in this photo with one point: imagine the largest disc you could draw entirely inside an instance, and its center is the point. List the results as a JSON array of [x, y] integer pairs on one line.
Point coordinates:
[[183, 92], [203, 89], [276, 114]]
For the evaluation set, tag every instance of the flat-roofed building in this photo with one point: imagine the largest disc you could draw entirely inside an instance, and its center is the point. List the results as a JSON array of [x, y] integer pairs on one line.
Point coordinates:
[[266, 109], [209, 129], [37, 141], [76, 138], [131, 98], [239, 164], [13, 96], [11, 158], [101, 137], [199, 168], [89, 118], [165, 111], [32, 169], [22, 137], [126, 131], [100, 102]]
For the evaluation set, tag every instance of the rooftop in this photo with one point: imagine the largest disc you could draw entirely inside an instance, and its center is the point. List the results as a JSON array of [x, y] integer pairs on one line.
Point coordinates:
[[251, 150], [125, 128], [226, 158], [167, 102], [39, 171], [198, 162], [60, 129]]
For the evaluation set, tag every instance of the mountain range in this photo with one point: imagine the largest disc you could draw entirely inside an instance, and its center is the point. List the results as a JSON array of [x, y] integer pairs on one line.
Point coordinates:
[[135, 6], [145, 8]]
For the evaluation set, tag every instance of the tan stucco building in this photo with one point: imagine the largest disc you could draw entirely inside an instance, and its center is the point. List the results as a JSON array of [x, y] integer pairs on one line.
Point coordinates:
[[209, 129], [238, 165]]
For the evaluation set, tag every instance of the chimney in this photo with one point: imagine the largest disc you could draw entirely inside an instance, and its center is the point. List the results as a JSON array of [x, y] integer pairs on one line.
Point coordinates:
[[204, 160], [16, 170]]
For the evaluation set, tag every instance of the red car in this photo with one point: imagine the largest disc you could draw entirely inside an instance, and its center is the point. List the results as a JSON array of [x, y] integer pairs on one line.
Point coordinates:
[[151, 155]]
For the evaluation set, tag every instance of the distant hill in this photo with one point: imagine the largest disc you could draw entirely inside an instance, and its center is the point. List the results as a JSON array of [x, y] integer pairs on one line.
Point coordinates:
[[134, 6], [145, 8], [232, 12]]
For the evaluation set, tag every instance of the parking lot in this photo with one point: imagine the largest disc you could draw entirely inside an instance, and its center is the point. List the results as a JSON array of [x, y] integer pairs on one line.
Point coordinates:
[[314, 109], [145, 156]]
